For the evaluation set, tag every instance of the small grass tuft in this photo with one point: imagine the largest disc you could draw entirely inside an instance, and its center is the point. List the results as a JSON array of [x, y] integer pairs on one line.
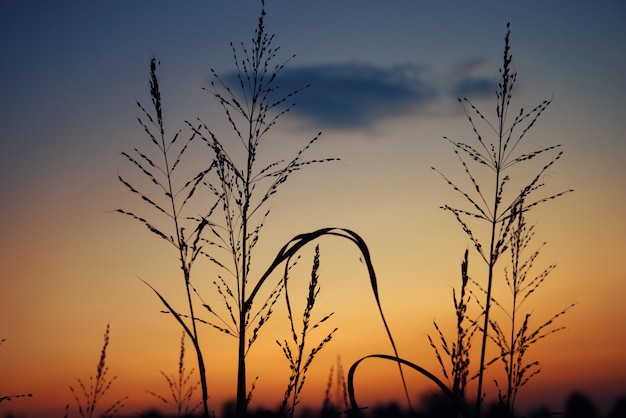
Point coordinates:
[[457, 352], [181, 388], [93, 392], [298, 363]]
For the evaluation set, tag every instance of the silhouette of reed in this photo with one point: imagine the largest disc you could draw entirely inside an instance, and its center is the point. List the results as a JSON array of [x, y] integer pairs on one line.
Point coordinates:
[[502, 213], [93, 392], [333, 406], [299, 362], [513, 346], [181, 387], [457, 353], [168, 197], [228, 231], [242, 190], [491, 204]]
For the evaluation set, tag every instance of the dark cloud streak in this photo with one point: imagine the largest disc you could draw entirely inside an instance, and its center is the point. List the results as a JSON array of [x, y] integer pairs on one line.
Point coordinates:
[[475, 87], [358, 96]]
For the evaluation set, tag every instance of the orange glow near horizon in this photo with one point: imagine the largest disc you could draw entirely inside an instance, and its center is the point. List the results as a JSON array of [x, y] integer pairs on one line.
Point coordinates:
[[70, 265]]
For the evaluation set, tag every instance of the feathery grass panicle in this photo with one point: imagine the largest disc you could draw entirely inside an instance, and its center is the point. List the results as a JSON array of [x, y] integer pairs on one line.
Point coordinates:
[[93, 392], [498, 149], [227, 233], [168, 196], [514, 344], [334, 406], [457, 352], [299, 362], [241, 188], [181, 387]]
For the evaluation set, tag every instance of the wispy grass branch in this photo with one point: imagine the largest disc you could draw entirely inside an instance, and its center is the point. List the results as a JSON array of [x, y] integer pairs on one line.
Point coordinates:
[[169, 197], [89, 395], [294, 351], [181, 387]]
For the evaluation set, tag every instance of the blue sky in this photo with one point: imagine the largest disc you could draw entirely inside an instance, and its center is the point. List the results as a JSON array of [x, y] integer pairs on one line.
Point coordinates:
[[384, 78]]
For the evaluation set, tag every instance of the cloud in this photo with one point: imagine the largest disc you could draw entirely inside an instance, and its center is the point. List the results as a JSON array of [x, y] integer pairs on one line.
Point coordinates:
[[359, 95], [475, 87], [348, 96], [472, 80]]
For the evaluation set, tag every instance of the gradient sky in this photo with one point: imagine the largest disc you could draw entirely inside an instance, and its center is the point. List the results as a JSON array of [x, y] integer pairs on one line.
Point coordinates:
[[384, 80]]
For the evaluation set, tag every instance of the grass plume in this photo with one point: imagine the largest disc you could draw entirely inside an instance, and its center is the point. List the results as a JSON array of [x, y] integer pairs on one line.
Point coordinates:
[[457, 352], [299, 362], [497, 151], [521, 336], [168, 196], [88, 395], [181, 387]]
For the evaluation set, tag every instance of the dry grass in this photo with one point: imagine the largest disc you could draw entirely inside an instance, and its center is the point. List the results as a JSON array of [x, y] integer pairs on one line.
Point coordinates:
[[514, 344], [167, 197], [241, 189], [294, 351], [457, 365], [334, 405], [491, 210], [230, 228], [89, 395], [181, 387]]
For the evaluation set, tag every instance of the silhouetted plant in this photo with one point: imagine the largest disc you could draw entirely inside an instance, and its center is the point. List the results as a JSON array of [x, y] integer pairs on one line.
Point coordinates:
[[492, 205], [457, 353], [6, 398], [340, 403], [500, 211], [93, 392], [181, 387], [299, 361], [241, 190], [522, 284], [168, 196]]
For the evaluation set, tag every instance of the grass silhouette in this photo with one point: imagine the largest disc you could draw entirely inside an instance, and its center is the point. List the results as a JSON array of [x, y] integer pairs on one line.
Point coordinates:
[[238, 190], [90, 395], [522, 284], [492, 205], [457, 352], [181, 386], [159, 166], [299, 362]]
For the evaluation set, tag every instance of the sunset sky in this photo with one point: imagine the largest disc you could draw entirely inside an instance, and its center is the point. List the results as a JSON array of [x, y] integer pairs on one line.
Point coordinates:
[[384, 80]]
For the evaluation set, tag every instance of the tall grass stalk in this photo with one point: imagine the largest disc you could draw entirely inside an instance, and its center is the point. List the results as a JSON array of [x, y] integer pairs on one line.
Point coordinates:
[[252, 106], [492, 206], [168, 195], [299, 361], [93, 392]]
